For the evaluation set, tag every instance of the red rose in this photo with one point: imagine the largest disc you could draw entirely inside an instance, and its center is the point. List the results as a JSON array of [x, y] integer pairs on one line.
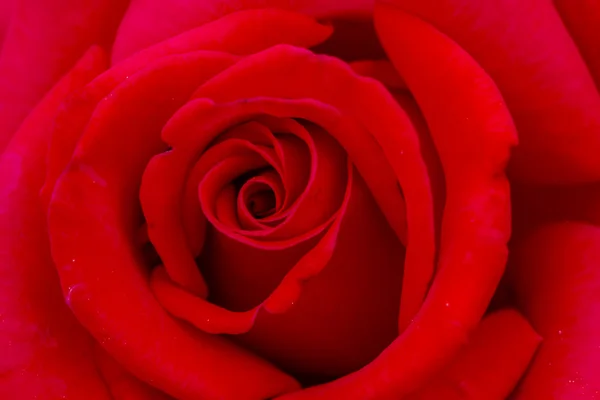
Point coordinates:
[[300, 200]]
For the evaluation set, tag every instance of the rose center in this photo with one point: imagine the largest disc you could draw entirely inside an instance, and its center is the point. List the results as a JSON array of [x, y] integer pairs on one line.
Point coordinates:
[[261, 203]]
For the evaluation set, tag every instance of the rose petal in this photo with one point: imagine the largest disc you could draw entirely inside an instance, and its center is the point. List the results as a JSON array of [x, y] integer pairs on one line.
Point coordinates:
[[37, 50], [236, 262], [221, 35], [259, 197], [242, 33], [390, 134], [193, 219], [582, 19], [202, 116], [45, 352], [527, 51], [94, 219], [6, 12], [295, 156], [316, 336], [147, 22], [382, 70], [556, 280], [322, 194], [429, 154], [490, 364], [476, 220], [477, 203], [214, 319], [347, 314], [324, 78], [293, 159], [123, 385]]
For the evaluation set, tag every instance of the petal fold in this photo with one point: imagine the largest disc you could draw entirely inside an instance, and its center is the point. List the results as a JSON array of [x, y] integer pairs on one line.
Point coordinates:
[[526, 50]]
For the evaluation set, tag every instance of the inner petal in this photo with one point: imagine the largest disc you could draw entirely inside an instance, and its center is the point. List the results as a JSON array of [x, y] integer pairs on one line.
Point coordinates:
[[260, 197], [261, 202], [344, 318]]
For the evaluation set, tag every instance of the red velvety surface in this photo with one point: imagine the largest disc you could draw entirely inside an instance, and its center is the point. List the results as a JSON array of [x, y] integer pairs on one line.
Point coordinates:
[[148, 22], [491, 364], [38, 49], [284, 270], [581, 19], [374, 380], [45, 352], [6, 8], [93, 173], [555, 276], [548, 88], [343, 319]]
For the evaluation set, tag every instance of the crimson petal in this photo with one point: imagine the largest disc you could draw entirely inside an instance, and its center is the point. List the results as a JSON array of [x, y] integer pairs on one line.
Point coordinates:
[[147, 22], [582, 19], [556, 280], [37, 50], [93, 222], [45, 352], [490, 364], [527, 51]]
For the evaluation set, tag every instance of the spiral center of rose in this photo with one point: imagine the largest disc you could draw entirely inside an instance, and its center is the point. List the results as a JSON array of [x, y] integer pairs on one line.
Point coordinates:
[[260, 203], [268, 204]]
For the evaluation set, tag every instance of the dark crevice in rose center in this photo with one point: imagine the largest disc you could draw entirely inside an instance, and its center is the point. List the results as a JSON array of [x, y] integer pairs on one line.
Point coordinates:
[[354, 38], [239, 182], [148, 252], [261, 204]]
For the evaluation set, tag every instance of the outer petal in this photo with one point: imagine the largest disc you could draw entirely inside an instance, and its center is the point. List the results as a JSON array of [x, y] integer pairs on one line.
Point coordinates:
[[473, 138], [149, 21], [6, 12], [219, 36], [45, 352], [556, 279], [491, 364], [525, 48], [92, 218], [121, 383], [44, 40], [582, 19], [476, 220]]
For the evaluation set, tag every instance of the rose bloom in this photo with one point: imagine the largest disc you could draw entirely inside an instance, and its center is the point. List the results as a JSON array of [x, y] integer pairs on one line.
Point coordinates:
[[297, 200]]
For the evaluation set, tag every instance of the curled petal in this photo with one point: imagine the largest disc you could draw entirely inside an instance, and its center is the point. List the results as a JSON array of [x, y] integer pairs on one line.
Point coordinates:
[[46, 354], [214, 319], [382, 70], [527, 51], [490, 364], [222, 35], [582, 19], [37, 50], [241, 32], [94, 218], [6, 12], [200, 116], [476, 219], [556, 281], [386, 130], [147, 22], [123, 385]]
